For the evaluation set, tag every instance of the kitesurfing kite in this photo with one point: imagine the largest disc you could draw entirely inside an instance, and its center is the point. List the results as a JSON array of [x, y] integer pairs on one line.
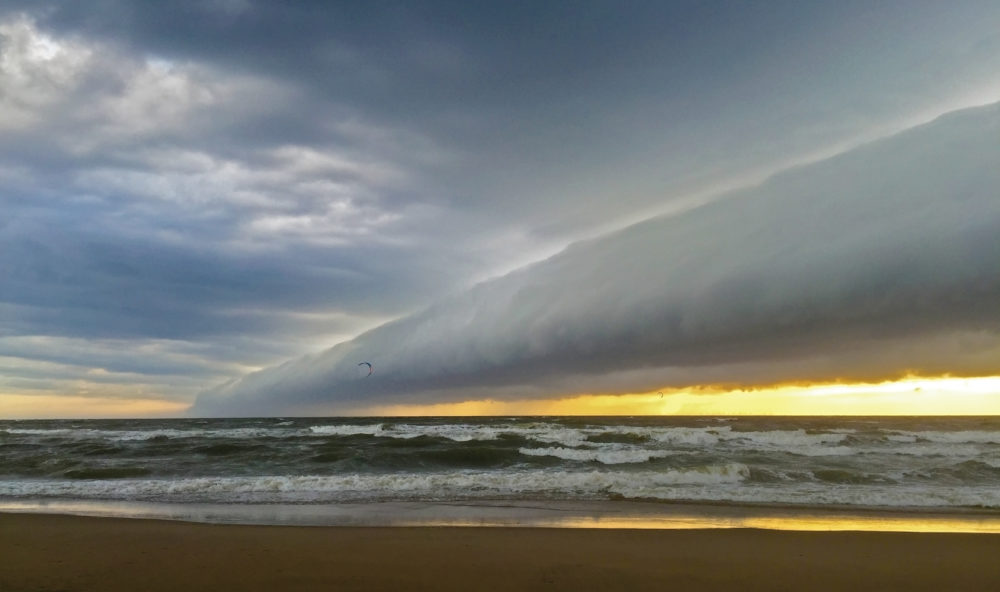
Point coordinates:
[[370, 368]]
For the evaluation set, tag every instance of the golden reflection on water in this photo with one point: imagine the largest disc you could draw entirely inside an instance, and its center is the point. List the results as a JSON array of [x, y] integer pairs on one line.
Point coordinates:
[[599, 516], [799, 523], [789, 523]]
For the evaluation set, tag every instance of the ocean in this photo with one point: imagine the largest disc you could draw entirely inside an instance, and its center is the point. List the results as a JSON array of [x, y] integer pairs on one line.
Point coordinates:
[[939, 464]]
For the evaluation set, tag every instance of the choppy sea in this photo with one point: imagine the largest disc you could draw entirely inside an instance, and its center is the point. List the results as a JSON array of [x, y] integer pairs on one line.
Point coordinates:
[[912, 463]]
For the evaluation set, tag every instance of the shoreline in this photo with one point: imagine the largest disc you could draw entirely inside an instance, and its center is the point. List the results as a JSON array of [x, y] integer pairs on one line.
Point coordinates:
[[603, 514], [58, 552]]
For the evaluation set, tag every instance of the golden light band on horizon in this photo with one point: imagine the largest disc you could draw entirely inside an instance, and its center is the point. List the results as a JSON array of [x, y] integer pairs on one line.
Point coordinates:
[[909, 396], [20, 406]]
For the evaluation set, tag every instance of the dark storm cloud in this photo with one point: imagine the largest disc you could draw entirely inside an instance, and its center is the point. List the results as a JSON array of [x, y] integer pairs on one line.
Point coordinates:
[[893, 242], [89, 285], [546, 102], [145, 222], [153, 201], [259, 180]]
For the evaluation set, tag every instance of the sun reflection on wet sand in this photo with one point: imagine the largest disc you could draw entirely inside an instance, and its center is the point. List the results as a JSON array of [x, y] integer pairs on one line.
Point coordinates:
[[527, 514], [799, 523]]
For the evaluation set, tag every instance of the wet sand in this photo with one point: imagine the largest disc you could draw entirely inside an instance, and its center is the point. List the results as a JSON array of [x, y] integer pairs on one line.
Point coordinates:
[[52, 552]]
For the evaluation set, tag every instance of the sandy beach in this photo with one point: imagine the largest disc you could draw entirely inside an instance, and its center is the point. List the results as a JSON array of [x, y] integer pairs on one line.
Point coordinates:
[[52, 552]]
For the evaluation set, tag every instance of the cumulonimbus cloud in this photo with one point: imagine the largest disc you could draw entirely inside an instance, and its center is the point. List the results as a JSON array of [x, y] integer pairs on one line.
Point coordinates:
[[880, 261]]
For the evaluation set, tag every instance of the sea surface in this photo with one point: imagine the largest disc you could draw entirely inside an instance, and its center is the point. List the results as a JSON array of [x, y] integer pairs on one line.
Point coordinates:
[[937, 464]]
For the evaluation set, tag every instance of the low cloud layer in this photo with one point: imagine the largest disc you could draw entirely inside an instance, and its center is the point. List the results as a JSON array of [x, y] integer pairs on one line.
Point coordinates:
[[878, 262]]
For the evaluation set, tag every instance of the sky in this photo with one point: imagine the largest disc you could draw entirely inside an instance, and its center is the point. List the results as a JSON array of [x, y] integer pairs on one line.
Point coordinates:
[[221, 208]]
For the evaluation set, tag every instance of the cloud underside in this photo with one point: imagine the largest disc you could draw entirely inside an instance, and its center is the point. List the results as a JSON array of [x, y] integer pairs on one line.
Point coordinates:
[[879, 262]]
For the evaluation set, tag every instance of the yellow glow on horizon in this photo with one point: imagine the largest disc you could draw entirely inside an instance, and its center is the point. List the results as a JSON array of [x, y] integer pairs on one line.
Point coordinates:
[[909, 396], [75, 406]]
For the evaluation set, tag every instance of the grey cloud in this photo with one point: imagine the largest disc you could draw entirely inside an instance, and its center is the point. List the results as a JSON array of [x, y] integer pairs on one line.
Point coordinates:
[[136, 213], [133, 214], [892, 242], [539, 106], [131, 286]]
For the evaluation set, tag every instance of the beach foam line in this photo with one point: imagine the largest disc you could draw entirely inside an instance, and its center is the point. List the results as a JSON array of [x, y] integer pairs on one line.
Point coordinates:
[[526, 514]]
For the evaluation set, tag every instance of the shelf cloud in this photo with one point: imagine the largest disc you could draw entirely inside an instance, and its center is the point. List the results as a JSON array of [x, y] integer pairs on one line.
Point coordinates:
[[826, 271]]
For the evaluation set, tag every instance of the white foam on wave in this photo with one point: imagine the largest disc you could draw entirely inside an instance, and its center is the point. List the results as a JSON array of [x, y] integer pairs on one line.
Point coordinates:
[[788, 439], [961, 437], [688, 436], [359, 486], [141, 435], [455, 433], [541, 432], [928, 449], [674, 436], [556, 434], [824, 451], [716, 483], [610, 455], [346, 430]]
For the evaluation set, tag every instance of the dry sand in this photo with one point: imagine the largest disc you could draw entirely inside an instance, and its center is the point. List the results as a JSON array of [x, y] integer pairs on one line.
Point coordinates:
[[63, 553]]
